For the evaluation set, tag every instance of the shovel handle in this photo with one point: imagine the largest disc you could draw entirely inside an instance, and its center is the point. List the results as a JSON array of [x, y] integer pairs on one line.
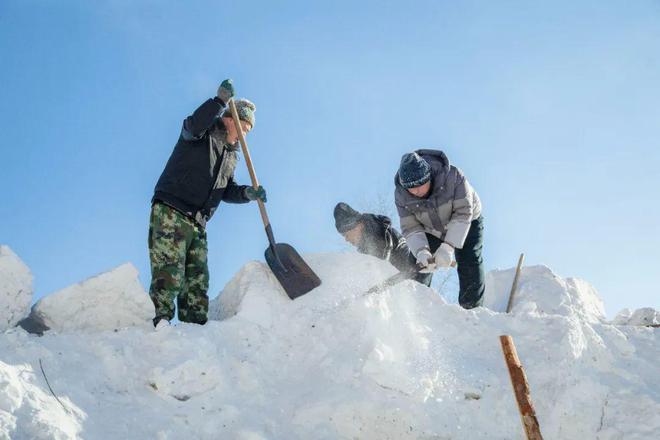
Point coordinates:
[[452, 264], [248, 161]]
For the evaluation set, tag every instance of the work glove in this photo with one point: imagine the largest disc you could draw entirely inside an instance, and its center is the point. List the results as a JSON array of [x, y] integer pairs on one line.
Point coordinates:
[[425, 262], [226, 91], [444, 255], [254, 194]]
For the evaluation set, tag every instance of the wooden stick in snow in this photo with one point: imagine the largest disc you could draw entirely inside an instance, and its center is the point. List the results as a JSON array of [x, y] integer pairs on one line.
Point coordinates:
[[514, 286], [521, 389]]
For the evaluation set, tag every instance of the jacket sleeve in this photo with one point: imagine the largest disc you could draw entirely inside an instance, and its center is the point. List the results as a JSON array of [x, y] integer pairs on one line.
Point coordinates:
[[412, 229], [463, 208], [235, 193], [400, 256], [196, 125]]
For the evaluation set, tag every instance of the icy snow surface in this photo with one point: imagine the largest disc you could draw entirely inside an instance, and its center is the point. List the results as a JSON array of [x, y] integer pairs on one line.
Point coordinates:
[[335, 364], [15, 288]]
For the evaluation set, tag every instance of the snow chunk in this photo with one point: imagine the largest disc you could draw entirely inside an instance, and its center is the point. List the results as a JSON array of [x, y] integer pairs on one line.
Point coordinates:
[[254, 292], [646, 316], [541, 291], [15, 288], [107, 301]]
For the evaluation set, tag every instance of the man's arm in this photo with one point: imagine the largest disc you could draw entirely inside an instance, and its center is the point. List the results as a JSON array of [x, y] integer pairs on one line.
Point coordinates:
[[235, 193], [461, 216], [196, 125], [412, 229], [400, 256]]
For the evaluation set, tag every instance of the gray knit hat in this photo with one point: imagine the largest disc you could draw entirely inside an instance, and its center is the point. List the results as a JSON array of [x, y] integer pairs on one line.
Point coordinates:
[[245, 111], [414, 171], [346, 218]]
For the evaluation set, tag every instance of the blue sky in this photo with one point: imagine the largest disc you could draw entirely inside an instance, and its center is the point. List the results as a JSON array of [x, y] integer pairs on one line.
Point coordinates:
[[550, 108]]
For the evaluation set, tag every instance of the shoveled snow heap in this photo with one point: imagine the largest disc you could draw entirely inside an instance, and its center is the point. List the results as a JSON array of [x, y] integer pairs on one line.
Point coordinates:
[[335, 364], [15, 288]]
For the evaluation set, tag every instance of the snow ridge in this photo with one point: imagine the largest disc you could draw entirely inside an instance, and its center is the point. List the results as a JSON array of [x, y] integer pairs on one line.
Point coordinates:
[[338, 364]]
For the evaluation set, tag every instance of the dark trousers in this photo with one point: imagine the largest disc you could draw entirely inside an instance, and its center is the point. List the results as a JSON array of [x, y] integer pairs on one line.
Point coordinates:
[[470, 265]]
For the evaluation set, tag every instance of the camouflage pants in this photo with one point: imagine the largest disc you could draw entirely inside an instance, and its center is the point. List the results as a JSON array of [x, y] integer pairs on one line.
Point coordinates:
[[178, 254]]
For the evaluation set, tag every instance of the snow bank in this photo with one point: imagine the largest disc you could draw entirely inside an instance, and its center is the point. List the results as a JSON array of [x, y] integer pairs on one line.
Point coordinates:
[[541, 291], [108, 301], [338, 364], [15, 288]]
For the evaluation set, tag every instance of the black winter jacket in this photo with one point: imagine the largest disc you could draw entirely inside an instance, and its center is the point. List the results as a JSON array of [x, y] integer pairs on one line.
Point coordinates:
[[381, 240], [200, 172]]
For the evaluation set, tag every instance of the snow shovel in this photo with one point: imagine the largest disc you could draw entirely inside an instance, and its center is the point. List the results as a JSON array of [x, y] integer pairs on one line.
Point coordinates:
[[396, 279], [391, 281], [295, 276]]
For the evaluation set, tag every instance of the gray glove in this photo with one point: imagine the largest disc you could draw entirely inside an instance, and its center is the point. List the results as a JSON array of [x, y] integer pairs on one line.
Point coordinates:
[[226, 91], [425, 262]]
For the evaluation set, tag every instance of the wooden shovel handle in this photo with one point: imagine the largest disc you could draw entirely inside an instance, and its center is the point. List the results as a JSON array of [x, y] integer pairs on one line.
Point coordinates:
[[248, 160], [452, 264], [432, 261]]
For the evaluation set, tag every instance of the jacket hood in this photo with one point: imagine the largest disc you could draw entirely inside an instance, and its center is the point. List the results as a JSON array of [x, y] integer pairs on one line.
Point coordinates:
[[369, 220], [374, 236], [383, 219], [436, 158]]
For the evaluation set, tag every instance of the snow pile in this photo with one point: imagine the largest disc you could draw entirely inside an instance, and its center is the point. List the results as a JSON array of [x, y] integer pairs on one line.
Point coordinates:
[[645, 316], [15, 288], [543, 292], [338, 364], [108, 301]]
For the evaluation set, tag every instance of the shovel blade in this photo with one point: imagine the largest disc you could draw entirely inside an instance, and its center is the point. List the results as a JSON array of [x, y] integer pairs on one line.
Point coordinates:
[[295, 276]]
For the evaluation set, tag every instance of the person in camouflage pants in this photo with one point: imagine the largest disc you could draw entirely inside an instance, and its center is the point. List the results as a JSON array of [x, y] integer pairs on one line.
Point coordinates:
[[178, 254], [198, 176]]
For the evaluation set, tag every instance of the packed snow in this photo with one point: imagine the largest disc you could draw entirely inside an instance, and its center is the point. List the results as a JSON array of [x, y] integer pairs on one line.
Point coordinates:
[[15, 288], [337, 364]]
